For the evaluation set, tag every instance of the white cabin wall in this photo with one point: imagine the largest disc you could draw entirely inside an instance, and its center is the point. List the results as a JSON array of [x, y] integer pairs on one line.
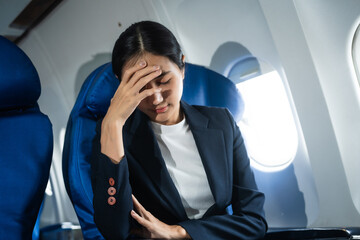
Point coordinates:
[[305, 81], [329, 27], [203, 25]]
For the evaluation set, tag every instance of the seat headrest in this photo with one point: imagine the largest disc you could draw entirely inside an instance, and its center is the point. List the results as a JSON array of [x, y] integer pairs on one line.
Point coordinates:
[[203, 86], [19, 80], [102, 90]]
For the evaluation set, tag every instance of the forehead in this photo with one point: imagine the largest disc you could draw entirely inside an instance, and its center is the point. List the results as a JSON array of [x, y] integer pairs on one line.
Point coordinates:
[[151, 59]]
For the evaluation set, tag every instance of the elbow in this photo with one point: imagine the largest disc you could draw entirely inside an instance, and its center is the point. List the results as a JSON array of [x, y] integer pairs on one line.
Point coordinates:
[[263, 229], [260, 228], [112, 228]]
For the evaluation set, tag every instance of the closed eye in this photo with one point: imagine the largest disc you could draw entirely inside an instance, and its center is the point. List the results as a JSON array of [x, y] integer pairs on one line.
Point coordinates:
[[161, 76], [164, 82]]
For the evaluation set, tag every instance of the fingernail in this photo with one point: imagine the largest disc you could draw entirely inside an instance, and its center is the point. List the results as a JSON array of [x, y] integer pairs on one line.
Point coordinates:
[[156, 67], [142, 63], [158, 90]]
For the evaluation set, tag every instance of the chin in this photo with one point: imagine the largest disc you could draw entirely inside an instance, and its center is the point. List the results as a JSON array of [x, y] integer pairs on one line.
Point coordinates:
[[160, 119]]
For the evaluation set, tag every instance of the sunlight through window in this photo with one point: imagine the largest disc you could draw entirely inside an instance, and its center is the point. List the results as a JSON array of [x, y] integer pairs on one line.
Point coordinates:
[[267, 124]]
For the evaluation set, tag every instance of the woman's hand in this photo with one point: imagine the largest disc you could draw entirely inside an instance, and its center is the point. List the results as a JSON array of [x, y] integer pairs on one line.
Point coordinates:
[[153, 227], [126, 98], [128, 95]]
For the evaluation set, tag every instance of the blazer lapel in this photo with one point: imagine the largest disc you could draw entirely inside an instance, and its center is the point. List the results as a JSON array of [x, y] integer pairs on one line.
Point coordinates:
[[211, 147], [146, 149]]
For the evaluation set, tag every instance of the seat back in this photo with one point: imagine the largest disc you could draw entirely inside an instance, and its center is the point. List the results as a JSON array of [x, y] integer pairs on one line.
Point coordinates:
[[201, 87], [205, 87], [91, 104], [26, 144]]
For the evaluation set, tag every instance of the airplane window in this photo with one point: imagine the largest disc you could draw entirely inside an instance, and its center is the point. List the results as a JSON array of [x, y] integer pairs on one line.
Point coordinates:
[[267, 124], [356, 52]]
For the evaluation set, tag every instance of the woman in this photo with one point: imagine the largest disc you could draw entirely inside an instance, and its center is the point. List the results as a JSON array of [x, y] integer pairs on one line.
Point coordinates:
[[160, 167]]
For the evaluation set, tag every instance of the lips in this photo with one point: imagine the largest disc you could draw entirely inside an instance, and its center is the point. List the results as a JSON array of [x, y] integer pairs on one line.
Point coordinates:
[[161, 110]]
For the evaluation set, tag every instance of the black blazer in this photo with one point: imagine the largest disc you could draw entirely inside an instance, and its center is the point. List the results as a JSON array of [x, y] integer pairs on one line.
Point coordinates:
[[143, 172]]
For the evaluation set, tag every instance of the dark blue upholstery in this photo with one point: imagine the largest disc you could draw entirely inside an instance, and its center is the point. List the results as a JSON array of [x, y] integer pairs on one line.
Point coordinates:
[[26, 144], [208, 88], [201, 87], [91, 104]]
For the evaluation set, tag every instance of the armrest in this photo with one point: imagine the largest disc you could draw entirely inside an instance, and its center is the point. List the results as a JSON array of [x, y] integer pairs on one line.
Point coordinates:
[[308, 233], [61, 231], [354, 231]]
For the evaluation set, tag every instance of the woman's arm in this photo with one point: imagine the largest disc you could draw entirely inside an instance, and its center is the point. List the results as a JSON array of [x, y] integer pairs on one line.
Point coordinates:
[[110, 175], [111, 209], [125, 100], [115, 219]]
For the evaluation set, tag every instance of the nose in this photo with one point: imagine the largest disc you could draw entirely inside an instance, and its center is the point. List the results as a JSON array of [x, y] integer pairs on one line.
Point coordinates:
[[156, 98]]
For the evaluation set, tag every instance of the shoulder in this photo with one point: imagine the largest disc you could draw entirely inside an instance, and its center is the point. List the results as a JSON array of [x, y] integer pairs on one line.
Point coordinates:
[[218, 116], [211, 111]]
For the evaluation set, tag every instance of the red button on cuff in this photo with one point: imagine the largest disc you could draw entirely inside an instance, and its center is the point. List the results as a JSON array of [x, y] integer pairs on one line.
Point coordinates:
[[111, 191], [111, 181], [111, 201]]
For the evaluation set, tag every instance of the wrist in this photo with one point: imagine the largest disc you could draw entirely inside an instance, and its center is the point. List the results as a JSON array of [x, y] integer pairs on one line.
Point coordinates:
[[112, 124], [111, 139], [181, 233]]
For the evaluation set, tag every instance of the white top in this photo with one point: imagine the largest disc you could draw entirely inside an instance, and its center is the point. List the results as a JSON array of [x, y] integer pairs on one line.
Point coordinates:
[[182, 159]]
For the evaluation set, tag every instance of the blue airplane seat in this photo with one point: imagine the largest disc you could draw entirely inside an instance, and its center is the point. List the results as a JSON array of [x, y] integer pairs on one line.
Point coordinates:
[[201, 87], [26, 144], [91, 104]]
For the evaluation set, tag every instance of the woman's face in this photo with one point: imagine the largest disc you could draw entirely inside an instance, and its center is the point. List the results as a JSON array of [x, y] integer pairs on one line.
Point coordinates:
[[163, 107]]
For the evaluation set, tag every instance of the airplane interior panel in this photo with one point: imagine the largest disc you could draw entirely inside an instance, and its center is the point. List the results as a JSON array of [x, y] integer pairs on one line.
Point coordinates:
[[295, 67]]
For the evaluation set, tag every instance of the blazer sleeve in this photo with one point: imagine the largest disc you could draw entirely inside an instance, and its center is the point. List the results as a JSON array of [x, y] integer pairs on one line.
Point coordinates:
[[111, 208], [248, 220]]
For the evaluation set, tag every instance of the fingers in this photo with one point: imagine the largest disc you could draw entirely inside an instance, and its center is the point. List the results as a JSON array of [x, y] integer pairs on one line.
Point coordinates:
[[135, 201], [130, 71], [154, 228], [132, 90], [141, 83], [138, 206], [147, 74], [137, 83], [133, 74], [136, 78], [148, 92], [142, 221]]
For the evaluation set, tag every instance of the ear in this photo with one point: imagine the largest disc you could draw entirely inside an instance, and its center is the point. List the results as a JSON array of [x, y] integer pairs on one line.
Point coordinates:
[[183, 70]]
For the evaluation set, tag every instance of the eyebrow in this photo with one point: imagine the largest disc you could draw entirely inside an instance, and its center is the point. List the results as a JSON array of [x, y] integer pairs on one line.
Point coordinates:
[[161, 75]]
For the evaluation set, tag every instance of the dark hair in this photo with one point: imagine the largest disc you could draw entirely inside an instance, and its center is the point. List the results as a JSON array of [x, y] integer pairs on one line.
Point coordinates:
[[145, 36]]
